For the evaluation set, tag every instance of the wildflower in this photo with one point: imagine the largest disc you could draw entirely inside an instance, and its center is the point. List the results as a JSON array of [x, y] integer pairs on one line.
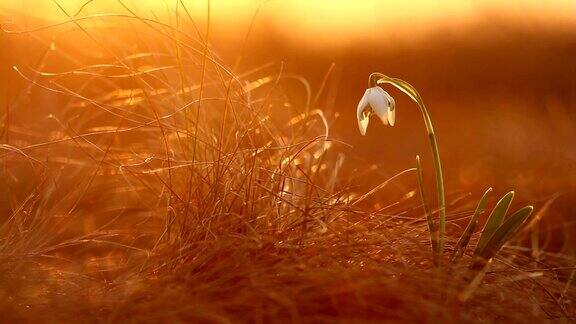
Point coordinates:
[[378, 101]]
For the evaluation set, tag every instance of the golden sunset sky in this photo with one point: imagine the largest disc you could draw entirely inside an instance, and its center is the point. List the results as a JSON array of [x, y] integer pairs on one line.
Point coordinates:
[[318, 21]]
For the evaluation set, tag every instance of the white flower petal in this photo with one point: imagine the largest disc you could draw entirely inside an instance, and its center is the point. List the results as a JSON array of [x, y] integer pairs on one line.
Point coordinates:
[[363, 119], [379, 103], [363, 124], [375, 100], [391, 110]]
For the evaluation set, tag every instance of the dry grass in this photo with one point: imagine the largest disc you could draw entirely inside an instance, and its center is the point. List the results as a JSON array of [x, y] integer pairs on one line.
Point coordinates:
[[158, 184]]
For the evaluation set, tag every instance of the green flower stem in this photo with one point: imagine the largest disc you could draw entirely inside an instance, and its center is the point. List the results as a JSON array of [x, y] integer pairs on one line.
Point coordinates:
[[378, 78]]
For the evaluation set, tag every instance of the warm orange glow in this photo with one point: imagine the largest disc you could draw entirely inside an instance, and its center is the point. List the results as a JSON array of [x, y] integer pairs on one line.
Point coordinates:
[[175, 161], [321, 21]]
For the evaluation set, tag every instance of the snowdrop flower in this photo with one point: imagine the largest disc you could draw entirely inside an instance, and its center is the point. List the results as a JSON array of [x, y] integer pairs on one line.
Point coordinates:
[[379, 102], [376, 100]]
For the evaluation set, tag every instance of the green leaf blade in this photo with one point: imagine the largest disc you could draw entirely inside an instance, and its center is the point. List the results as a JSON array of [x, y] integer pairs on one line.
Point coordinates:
[[432, 228], [462, 243], [505, 232], [494, 221]]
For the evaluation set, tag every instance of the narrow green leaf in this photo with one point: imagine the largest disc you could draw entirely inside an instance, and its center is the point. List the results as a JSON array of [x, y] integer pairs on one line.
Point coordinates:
[[462, 243], [505, 232], [494, 221], [432, 228]]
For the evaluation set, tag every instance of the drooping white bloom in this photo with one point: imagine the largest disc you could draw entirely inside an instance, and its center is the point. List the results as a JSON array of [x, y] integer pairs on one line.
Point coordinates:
[[379, 102]]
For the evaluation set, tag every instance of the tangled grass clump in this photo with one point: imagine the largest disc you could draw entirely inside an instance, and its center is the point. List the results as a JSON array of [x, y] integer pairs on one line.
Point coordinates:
[[159, 185]]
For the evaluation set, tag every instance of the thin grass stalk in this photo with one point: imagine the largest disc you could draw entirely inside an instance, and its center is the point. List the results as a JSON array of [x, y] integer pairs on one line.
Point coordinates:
[[378, 78], [465, 295], [197, 121]]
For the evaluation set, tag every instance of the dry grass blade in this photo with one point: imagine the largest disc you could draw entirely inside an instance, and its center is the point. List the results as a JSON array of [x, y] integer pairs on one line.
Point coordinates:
[[462, 243], [494, 220], [467, 293]]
